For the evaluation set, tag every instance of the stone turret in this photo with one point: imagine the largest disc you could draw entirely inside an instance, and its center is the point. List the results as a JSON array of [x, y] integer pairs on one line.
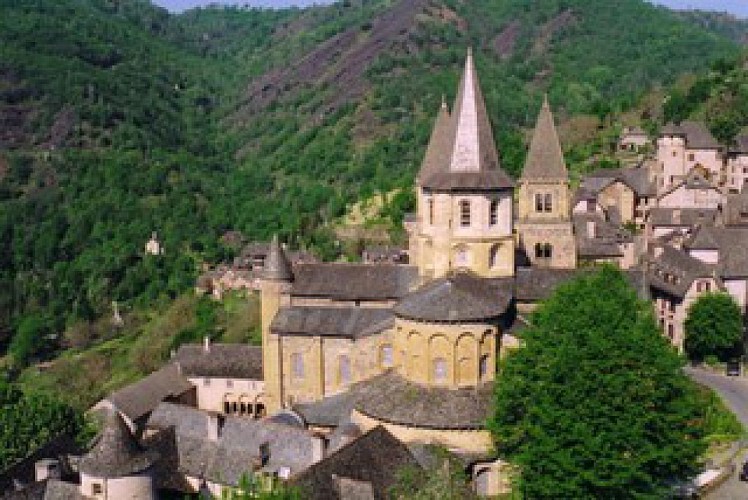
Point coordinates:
[[275, 289], [464, 213], [544, 223], [117, 467]]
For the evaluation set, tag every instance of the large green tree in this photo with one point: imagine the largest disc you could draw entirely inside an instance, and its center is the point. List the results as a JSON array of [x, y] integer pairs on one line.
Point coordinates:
[[714, 327], [595, 405]]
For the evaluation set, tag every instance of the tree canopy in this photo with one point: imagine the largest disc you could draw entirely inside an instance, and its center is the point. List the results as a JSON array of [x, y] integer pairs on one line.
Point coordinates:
[[595, 405], [714, 327]]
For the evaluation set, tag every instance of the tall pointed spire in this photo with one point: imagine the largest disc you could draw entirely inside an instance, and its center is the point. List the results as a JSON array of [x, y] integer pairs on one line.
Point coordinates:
[[474, 147], [545, 160], [277, 266], [462, 153]]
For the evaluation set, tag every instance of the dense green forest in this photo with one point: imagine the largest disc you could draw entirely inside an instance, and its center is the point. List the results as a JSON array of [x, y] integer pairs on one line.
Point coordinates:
[[119, 119]]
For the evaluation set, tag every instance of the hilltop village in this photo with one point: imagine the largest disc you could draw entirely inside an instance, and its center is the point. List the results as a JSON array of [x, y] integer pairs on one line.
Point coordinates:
[[364, 367]]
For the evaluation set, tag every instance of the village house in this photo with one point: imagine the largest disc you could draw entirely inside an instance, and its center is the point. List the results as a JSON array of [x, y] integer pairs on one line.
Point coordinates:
[[684, 148], [633, 139]]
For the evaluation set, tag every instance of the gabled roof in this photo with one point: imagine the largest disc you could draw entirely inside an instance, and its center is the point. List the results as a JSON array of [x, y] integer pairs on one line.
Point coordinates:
[[466, 157], [636, 178], [458, 297], [702, 239], [277, 267], [545, 160], [674, 271], [680, 217], [369, 465], [140, 398], [220, 360], [696, 134], [344, 322], [354, 281], [116, 452]]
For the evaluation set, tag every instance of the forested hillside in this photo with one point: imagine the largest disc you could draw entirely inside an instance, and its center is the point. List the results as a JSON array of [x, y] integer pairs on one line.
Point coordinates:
[[118, 119]]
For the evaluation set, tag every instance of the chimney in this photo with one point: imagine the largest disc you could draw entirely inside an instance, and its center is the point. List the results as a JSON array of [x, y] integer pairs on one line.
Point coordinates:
[[591, 229], [215, 426], [206, 344], [676, 216], [47, 468], [318, 449]]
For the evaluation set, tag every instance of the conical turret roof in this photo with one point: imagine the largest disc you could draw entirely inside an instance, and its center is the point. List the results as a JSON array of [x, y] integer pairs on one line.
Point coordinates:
[[545, 160], [277, 266], [467, 158], [116, 452], [440, 144]]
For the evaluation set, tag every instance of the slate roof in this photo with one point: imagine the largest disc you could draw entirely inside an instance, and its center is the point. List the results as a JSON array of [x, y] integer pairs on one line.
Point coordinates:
[[545, 159], [277, 267], [116, 452], [533, 284], [393, 399], [376, 459], [741, 145], [458, 297], [674, 271], [345, 322], [607, 240], [465, 158], [702, 239], [735, 209], [237, 450], [354, 281], [677, 217], [24, 470], [221, 360], [636, 178], [141, 397], [696, 134], [327, 412]]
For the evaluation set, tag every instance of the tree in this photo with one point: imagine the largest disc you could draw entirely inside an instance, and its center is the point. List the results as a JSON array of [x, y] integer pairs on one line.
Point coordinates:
[[257, 488], [595, 405], [714, 327]]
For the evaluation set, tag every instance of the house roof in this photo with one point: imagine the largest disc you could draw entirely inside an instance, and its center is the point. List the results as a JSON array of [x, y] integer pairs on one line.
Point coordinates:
[[533, 284], [140, 398], [327, 412], [636, 178], [467, 158], [220, 360], [374, 459], [277, 267], [607, 240], [696, 134], [460, 296], [116, 452], [345, 322], [677, 217], [236, 452], [354, 281], [440, 145], [673, 271], [702, 239], [545, 159]]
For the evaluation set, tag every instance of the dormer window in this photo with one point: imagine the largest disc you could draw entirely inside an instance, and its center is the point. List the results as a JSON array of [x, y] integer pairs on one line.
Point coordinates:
[[465, 213]]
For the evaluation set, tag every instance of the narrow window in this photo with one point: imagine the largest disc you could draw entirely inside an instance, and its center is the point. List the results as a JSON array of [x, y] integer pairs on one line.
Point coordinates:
[[344, 369], [386, 356], [548, 205], [670, 331], [465, 213], [538, 202], [440, 370], [493, 217], [431, 212], [547, 251], [538, 251], [483, 366], [297, 365], [97, 489], [691, 157], [493, 258], [226, 407]]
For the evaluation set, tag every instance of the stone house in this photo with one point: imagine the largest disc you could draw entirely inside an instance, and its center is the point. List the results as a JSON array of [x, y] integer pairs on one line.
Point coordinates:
[[633, 139], [692, 192], [625, 194], [684, 148]]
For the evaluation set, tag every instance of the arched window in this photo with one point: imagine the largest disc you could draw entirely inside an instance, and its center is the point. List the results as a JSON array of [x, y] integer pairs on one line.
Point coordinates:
[[493, 214], [431, 211], [344, 369], [548, 205], [386, 356], [493, 257], [440, 370], [465, 213], [297, 365]]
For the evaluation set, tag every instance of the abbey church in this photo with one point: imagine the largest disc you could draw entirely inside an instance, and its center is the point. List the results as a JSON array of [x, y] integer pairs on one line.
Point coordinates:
[[362, 366]]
